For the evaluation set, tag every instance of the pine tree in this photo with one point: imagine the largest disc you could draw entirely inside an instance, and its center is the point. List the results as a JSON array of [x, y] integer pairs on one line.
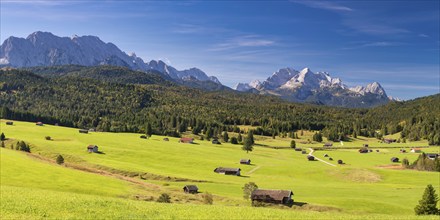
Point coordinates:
[[148, 130], [250, 136], [225, 136], [239, 138], [293, 144], [247, 145], [427, 205], [2, 137]]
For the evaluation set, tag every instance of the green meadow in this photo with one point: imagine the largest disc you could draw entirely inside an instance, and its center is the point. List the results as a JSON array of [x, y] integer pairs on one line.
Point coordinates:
[[129, 175]]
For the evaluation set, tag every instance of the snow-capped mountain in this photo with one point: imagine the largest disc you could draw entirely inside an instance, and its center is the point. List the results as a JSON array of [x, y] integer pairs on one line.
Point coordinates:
[[46, 49], [319, 87]]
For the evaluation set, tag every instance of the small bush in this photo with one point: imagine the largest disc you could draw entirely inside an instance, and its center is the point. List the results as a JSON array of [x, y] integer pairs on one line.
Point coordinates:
[[234, 140], [164, 198], [207, 198], [60, 159], [48, 138]]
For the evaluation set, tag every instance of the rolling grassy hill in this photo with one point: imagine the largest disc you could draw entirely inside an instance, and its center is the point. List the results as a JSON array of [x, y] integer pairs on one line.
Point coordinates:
[[131, 168]]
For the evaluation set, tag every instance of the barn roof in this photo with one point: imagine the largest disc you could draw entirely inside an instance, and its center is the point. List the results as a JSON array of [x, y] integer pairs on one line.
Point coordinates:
[[226, 169], [274, 194], [191, 187], [245, 160], [91, 146], [186, 139]]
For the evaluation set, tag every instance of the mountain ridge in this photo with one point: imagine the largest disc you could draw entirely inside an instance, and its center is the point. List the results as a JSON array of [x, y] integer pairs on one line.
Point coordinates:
[[46, 49], [317, 88]]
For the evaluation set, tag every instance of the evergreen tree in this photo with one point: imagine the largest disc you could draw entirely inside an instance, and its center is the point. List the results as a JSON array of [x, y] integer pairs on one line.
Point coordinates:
[[2, 137], [239, 138], [208, 133], [293, 144], [148, 130], [234, 140], [225, 136], [428, 204], [60, 159], [250, 136], [247, 145]]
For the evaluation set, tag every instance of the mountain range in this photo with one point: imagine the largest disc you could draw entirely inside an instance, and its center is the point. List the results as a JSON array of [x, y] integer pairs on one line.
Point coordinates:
[[47, 49], [318, 88]]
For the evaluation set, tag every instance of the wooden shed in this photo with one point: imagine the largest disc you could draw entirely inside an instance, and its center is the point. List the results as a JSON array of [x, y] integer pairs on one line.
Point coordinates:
[[92, 149], [328, 144], [389, 140], [272, 196], [245, 161], [39, 123], [363, 150], [83, 131], [228, 171], [186, 140], [166, 139], [191, 189], [9, 123], [394, 159]]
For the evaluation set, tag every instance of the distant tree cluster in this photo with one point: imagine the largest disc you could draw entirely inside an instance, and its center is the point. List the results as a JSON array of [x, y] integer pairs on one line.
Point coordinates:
[[120, 100]]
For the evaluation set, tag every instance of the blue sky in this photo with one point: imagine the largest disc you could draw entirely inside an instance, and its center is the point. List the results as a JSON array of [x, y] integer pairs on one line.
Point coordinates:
[[393, 42]]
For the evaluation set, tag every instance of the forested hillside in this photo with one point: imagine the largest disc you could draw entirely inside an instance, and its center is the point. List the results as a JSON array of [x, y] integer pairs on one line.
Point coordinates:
[[118, 99]]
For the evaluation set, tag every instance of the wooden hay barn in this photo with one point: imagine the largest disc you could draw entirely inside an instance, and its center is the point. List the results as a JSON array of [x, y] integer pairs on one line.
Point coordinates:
[[39, 123], [166, 139], [228, 171], [193, 189], [394, 159], [83, 131], [303, 152], [9, 123], [92, 149], [186, 140], [363, 150], [310, 158], [245, 161], [388, 140], [432, 156], [272, 196], [328, 144]]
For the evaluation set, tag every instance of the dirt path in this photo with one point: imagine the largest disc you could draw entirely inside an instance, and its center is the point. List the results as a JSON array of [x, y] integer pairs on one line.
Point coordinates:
[[311, 151], [253, 170]]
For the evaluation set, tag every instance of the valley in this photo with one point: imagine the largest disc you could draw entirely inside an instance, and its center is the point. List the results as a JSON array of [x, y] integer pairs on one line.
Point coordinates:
[[130, 169]]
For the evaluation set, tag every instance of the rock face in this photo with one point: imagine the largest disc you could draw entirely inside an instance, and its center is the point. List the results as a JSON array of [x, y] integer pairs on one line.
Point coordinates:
[[46, 49], [317, 88]]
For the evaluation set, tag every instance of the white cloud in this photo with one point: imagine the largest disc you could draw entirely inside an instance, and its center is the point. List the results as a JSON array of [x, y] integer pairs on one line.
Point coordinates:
[[243, 41]]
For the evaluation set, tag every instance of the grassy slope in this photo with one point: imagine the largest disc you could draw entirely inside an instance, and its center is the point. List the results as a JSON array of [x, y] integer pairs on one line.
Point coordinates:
[[356, 188]]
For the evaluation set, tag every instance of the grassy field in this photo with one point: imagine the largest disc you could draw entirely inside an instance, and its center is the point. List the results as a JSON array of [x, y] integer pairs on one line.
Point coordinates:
[[367, 185]]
